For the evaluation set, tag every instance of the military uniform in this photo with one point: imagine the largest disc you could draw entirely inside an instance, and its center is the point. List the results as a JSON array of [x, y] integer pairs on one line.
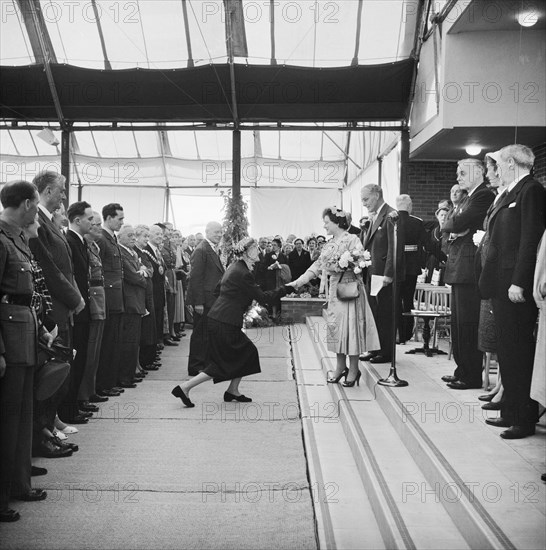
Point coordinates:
[[97, 315], [18, 345]]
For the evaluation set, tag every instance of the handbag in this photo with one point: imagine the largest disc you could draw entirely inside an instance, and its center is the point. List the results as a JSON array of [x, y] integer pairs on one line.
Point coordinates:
[[347, 290]]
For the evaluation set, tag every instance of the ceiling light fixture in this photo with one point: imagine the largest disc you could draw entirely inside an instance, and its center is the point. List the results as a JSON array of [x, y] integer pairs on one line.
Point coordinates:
[[473, 150], [527, 18]]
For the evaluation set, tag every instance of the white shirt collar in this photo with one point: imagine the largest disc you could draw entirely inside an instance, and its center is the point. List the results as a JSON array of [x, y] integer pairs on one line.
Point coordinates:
[[48, 214], [109, 231], [128, 249], [213, 246], [470, 192], [515, 182], [76, 233]]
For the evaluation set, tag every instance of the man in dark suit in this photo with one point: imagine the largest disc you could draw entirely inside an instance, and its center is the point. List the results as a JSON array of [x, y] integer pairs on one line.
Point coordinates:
[[299, 260], [379, 241], [206, 272], [412, 232], [80, 218], [110, 255], [461, 224], [53, 253], [134, 305], [153, 250], [353, 229], [514, 227]]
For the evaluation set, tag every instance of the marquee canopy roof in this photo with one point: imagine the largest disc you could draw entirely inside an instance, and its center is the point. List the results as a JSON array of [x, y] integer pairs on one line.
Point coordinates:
[[156, 60]]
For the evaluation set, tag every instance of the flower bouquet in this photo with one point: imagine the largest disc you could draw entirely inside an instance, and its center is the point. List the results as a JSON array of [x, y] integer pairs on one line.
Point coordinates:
[[355, 260], [256, 316]]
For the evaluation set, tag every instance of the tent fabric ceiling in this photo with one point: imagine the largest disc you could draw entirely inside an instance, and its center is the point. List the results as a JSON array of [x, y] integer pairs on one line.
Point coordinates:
[[165, 62], [166, 34], [264, 93]]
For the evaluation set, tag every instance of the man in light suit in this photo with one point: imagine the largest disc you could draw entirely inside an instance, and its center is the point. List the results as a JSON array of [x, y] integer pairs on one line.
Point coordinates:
[[461, 224], [134, 305], [515, 225], [379, 241], [80, 218], [110, 255], [206, 272]]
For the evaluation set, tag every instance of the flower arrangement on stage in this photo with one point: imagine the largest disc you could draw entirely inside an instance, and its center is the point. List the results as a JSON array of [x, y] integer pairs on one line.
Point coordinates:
[[256, 316], [355, 260], [306, 291]]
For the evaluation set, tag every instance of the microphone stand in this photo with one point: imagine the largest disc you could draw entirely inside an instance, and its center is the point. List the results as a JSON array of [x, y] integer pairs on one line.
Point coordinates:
[[392, 380]]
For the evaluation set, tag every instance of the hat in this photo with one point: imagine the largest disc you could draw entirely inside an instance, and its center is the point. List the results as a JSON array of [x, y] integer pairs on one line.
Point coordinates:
[[49, 378], [495, 155]]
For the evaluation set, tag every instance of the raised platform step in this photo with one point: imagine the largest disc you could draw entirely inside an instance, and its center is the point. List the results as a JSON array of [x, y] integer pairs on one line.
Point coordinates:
[[436, 475]]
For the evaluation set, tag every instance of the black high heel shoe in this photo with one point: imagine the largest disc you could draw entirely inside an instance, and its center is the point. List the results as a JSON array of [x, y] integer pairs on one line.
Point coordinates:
[[241, 398], [336, 380], [178, 392], [348, 384]]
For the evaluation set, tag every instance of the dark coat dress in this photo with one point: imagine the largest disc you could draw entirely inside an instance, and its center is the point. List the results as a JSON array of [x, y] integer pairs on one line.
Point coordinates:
[[230, 353]]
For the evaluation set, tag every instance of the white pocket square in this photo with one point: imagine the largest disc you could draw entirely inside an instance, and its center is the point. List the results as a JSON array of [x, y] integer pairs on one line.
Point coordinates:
[[512, 205]]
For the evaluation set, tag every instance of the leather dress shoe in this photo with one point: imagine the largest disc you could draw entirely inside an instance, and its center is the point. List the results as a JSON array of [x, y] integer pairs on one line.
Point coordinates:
[[150, 367], [48, 449], [449, 378], [380, 359], [176, 338], [460, 385], [78, 419], [32, 496], [178, 392], [129, 385], [368, 356], [97, 399], [109, 393], [491, 406], [136, 380], [169, 342], [85, 414], [139, 377], [486, 396], [37, 471], [8, 515], [518, 432], [499, 422], [241, 398], [118, 389], [88, 407], [64, 444]]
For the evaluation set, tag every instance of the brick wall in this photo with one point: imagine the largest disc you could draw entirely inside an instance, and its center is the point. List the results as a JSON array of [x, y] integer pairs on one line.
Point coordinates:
[[540, 163], [295, 310], [428, 183]]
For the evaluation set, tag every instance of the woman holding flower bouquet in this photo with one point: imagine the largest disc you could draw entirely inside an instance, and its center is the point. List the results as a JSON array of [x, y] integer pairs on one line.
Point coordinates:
[[231, 354], [350, 323]]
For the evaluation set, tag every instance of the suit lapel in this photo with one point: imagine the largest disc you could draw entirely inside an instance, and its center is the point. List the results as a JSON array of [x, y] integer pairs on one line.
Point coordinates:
[[508, 197], [376, 224], [214, 256]]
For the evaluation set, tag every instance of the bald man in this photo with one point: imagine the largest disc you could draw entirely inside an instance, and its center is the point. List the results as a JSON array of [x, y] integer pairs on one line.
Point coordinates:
[[206, 272]]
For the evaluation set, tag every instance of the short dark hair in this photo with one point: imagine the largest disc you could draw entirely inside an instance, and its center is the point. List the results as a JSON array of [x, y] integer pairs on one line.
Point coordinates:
[[278, 241], [298, 239], [111, 210], [76, 209], [311, 239], [339, 217], [44, 179], [15, 192]]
